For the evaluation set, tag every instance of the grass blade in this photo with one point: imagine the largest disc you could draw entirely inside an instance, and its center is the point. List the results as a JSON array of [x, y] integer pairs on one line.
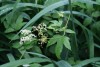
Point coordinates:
[[37, 54], [9, 7], [24, 61], [86, 1], [85, 62], [10, 57], [91, 44]]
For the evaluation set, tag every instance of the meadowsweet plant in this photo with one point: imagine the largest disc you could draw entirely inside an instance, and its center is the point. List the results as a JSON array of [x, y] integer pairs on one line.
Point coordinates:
[[40, 33], [37, 33]]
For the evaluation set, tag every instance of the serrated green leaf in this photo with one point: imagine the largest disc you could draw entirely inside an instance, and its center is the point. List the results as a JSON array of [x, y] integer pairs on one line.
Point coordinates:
[[8, 20], [19, 19], [56, 15], [60, 41], [82, 5], [16, 45], [96, 14], [10, 36], [19, 23], [52, 40], [6, 24], [87, 21], [67, 43], [55, 25], [37, 49], [59, 46], [9, 30]]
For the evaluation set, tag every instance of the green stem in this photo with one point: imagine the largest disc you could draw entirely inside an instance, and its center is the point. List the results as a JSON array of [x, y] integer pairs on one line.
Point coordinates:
[[74, 38], [66, 25], [23, 53]]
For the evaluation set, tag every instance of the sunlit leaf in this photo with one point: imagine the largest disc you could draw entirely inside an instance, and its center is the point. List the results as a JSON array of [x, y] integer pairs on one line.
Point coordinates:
[[69, 31]]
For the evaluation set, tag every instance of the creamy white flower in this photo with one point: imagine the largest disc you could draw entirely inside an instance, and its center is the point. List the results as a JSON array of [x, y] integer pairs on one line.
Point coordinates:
[[44, 25], [31, 35], [21, 43], [25, 32], [34, 27], [25, 39]]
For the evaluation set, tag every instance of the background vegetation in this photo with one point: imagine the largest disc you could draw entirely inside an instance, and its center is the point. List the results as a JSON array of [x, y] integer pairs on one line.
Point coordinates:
[[65, 33]]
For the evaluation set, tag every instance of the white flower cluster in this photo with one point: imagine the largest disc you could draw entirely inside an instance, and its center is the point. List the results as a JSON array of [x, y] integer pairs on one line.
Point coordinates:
[[25, 32], [40, 27], [28, 36]]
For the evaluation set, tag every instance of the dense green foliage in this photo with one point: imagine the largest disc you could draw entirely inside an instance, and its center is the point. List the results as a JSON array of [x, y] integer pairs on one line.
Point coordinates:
[[50, 33]]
